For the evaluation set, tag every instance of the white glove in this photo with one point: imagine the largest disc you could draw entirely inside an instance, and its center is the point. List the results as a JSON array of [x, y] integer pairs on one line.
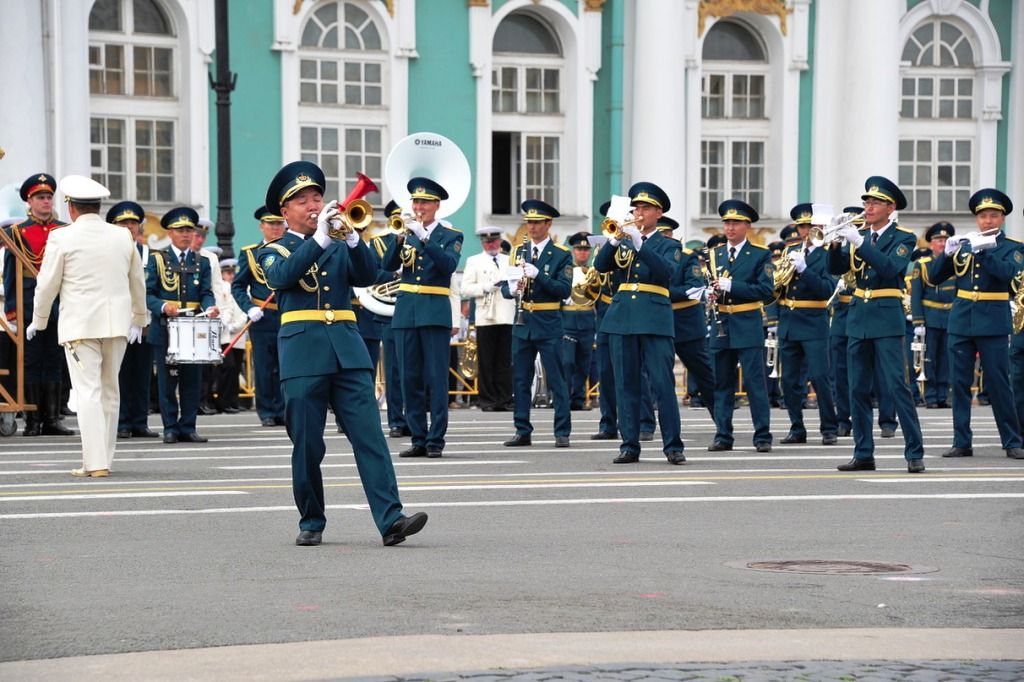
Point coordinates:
[[918, 331], [255, 313], [135, 334], [212, 312], [725, 284], [512, 272], [13, 325], [530, 270], [910, 318], [799, 260], [633, 232], [328, 217], [694, 293], [613, 241], [30, 332], [980, 243], [513, 286], [352, 239], [952, 244], [774, 329], [841, 285], [417, 229], [1013, 307], [852, 235], [487, 288]]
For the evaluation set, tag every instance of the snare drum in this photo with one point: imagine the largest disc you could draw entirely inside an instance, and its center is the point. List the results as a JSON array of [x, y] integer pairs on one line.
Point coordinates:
[[193, 341]]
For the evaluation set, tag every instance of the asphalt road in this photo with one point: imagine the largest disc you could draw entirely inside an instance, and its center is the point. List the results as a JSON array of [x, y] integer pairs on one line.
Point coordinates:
[[190, 546]]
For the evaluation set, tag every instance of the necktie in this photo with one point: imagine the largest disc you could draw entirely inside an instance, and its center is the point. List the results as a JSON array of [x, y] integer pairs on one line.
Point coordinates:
[[732, 253], [643, 239], [535, 254], [495, 259], [874, 238]]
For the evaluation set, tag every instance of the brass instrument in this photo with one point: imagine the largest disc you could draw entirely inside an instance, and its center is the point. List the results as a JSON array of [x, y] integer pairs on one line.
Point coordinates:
[[379, 298], [588, 290], [518, 261], [917, 352], [710, 278], [848, 282], [468, 363], [398, 225], [613, 229], [354, 212], [830, 234], [771, 343], [1017, 286]]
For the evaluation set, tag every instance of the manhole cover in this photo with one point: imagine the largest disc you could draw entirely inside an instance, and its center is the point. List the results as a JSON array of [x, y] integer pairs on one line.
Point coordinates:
[[828, 567]]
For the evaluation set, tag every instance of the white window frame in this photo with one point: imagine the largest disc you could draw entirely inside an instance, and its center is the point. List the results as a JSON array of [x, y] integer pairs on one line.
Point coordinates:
[[912, 189], [728, 165], [521, 66]]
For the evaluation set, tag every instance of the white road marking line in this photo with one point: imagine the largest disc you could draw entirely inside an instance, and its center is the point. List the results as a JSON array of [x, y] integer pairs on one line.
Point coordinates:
[[524, 503], [104, 496], [449, 462], [945, 479]]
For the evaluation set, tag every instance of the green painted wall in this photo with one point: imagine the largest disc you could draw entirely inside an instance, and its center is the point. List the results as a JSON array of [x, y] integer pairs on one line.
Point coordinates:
[[803, 183], [608, 107], [442, 96], [255, 116]]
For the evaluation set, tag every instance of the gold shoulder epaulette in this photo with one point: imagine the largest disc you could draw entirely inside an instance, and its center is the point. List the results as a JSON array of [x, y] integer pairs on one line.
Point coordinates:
[[759, 246], [563, 247], [903, 229], [249, 246], [457, 231], [687, 251], [279, 248], [926, 259], [1017, 241]]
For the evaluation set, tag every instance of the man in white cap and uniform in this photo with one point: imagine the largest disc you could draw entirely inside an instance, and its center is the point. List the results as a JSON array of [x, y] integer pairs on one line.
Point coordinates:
[[95, 270]]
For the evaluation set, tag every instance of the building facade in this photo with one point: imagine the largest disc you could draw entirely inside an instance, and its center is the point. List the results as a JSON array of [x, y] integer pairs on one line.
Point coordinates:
[[771, 101]]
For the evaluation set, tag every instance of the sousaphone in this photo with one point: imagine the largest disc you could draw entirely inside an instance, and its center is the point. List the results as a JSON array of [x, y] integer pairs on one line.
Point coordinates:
[[427, 155]]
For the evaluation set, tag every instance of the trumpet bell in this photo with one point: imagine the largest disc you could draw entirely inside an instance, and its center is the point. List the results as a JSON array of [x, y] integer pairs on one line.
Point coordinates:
[[612, 229], [358, 213]]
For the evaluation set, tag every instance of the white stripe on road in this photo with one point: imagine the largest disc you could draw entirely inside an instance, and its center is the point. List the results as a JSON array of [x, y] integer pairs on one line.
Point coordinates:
[[104, 496], [526, 503], [945, 479]]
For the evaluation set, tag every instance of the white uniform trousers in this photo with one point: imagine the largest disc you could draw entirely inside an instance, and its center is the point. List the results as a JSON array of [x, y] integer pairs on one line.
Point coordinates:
[[98, 396]]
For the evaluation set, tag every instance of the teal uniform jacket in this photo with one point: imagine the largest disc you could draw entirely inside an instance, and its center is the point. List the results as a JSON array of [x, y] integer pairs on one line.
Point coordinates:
[[552, 284], [307, 277], [193, 288], [752, 274], [878, 267], [641, 312], [986, 272], [581, 322], [249, 288], [688, 315], [429, 264], [930, 302], [814, 285]]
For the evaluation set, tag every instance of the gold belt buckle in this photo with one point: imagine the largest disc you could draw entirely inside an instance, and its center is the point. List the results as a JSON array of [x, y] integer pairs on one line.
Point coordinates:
[[974, 296], [329, 316], [867, 294], [791, 303]]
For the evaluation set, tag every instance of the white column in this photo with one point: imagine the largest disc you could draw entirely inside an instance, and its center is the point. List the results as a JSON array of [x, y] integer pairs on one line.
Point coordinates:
[[24, 134], [1015, 117], [867, 134], [69, 68], [657, 139]]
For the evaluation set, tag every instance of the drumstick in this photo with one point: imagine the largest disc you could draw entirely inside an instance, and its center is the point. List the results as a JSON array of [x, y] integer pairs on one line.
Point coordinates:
[[231, 344]]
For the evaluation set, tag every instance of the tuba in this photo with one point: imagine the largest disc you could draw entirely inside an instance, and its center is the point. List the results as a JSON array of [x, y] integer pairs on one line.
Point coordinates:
[[379, 298], [428, 155], [586, 292], [1017, 302]]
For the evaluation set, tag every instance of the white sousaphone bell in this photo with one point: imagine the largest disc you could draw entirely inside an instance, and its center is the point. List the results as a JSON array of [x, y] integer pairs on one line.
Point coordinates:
[[420, 154]]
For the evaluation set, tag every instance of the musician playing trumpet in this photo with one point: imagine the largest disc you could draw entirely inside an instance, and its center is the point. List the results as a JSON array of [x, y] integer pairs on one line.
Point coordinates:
[[541, 277], [481, 281], [983, 264], [803, 324], [427, 253], [579, 321], [639, 321]]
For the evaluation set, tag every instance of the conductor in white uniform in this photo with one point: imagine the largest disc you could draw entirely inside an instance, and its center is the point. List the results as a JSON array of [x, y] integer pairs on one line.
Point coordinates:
[[94, 268]]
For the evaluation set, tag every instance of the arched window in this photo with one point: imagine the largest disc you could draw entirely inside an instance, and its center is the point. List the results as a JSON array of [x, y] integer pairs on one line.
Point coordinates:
[[735, 127], [937, 122], [526, 102], [343, 94], [132, 57]]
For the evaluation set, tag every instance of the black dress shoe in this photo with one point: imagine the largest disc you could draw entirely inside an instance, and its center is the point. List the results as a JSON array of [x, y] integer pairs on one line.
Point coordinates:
[[434, 453], [232, 410], [191, 437], [763, 447], [984, 401], [942, 405], [395, 433], [517, 441], [309, 538], [124, 433], [269, 421], [843, 431], [55, 428], [145, 432], [959, 452], [604, 435], [485, 408], [627, 458], [646, 436], [794, 438], [404, 527], [888, 432], [719, 446], [676, 458], [170, 438], [858, 465], [915, 466], [932, 406], [414, 451], [829, 440], [207, 410], [561, 441], [1015, 453]]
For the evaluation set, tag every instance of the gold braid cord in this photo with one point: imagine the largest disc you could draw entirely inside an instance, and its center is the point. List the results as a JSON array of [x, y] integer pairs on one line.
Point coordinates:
[[169, 282], [257, 270]]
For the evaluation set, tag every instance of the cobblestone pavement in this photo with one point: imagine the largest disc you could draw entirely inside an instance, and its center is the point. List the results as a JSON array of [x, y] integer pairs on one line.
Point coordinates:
[[799, 671]]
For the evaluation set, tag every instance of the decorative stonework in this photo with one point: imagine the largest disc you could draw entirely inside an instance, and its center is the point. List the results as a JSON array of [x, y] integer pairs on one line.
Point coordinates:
[[390, 3], [479, 3], [593, 5], [725, 8]]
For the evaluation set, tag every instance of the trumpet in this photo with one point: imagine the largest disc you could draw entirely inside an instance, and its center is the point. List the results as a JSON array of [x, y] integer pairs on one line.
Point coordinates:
[[519, 261], [398, 225], [917, 350], [613, 229], [771, 344], [354, 212], [710, 278], [830, 234]]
